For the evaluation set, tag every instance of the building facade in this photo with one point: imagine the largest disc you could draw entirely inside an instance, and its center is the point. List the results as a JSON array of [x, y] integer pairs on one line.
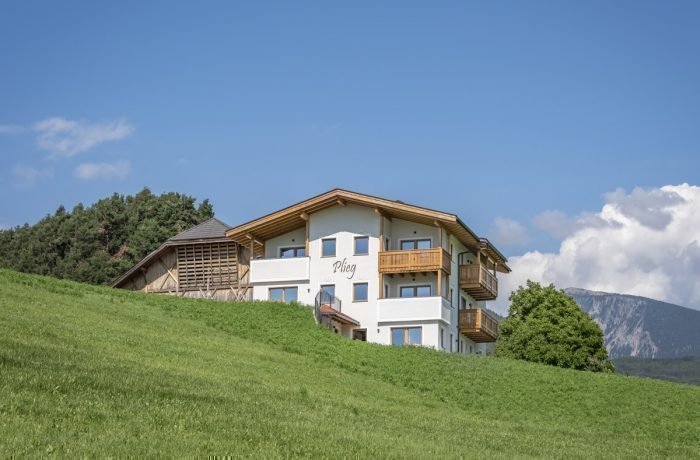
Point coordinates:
[[378, 270]]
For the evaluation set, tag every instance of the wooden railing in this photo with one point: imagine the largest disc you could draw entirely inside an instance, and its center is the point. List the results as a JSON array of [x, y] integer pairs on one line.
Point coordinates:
[[478, 281], [416, 260], [478, 325]]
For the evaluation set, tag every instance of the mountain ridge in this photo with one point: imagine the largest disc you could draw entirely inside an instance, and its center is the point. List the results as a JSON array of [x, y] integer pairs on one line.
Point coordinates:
[[636, 326]]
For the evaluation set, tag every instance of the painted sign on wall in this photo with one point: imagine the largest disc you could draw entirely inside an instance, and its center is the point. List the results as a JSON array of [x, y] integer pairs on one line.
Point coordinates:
[[343, 266]]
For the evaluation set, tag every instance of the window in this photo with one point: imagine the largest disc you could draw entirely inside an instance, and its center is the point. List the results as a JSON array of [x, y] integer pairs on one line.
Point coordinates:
[[442, 338], [463, 305], [359, 334], [401, 336], [328, 247], [286, 253], [386, 244], [451, 343], [407, 245], [283, 294], [359, 292], [361, 245], [386, 291], [414, 291], [452, 291]]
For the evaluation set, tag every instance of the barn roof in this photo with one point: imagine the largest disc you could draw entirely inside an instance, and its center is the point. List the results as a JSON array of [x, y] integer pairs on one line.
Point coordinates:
[[210, 230]]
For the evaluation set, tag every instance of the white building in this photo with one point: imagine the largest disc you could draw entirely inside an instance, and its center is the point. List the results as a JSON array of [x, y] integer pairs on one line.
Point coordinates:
[[378, 270]]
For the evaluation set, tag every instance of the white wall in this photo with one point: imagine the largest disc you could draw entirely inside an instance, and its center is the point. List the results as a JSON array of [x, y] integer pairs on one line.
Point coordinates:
[[404, 230], [295, 238], [344, 223]]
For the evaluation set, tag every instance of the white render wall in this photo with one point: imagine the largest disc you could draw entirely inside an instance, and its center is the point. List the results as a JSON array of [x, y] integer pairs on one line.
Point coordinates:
[[344, 223]]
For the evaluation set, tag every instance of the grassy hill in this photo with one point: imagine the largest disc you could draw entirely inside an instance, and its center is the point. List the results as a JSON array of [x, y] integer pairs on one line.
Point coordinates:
[[92, 371]]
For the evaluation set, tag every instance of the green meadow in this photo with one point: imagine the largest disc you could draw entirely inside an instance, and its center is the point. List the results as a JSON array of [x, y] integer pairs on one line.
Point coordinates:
[[92, 371]]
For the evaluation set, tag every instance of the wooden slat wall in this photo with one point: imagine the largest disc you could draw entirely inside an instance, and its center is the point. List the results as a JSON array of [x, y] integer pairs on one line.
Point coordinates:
[[207, 265]]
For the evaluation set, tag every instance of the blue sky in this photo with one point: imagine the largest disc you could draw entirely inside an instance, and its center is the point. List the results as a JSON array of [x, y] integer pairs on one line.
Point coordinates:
[[497, 111]]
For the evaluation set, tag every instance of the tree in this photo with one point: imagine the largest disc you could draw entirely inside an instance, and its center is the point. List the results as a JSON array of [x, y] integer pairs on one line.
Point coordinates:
[[544, 325], [97, 243]]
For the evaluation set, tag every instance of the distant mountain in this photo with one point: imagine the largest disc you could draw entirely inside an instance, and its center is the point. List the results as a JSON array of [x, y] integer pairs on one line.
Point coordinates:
[[641, 327]]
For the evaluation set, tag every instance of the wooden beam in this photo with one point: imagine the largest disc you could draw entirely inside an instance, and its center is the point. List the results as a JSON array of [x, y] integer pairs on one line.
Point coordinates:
[[304, 216], [341, 202], [382, 214]]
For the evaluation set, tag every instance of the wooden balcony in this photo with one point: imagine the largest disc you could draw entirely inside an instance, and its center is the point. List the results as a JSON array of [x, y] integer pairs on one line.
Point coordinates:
[[478, 325], [478, 282], [416, 260]]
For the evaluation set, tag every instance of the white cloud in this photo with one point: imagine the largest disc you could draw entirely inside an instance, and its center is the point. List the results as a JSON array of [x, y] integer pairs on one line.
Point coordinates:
[[26, 176], [92, 171], [646, 243], [508, 232], [69, 137]]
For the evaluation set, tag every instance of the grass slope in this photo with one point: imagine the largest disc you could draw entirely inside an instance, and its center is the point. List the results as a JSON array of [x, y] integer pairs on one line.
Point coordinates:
[[93, 371]]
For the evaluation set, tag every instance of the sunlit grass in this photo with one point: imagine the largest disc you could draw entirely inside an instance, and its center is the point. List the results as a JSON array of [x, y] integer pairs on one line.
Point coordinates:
[[94, 371]]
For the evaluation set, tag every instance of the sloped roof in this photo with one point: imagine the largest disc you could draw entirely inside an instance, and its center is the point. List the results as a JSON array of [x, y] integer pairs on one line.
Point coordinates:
[[210, 230]]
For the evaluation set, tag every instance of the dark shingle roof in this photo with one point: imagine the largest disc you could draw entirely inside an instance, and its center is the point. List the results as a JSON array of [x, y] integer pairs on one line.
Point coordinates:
[[212, 228]]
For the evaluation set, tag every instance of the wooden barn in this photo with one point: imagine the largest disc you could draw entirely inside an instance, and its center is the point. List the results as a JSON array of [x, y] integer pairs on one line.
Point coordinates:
[[199, 262]]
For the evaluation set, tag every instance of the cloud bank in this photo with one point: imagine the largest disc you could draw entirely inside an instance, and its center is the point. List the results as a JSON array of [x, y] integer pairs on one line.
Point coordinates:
[[646, 243], [69, 137], [93, 171]]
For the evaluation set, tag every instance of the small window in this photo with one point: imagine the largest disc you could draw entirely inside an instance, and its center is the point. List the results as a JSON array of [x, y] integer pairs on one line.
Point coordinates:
[[361, 245], [386, 291], [359, 292], [284, 294], [286, 253], [328, 249], [401, 336], [463, 305], [452, 291], [414, 291], [451, 350], [407, 245], [442, 338], [387, 246]]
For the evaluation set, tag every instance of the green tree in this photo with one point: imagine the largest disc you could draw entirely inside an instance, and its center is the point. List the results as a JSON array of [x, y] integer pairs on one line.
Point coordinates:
[[95, 244], [544, 325]]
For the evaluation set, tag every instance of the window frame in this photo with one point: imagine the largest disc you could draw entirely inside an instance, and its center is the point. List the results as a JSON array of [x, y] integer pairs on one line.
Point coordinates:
[[354, 292], [415, 290], [296, 250], [406, 335], [284, 293], [415, 243], [335, 247], [354, 245]]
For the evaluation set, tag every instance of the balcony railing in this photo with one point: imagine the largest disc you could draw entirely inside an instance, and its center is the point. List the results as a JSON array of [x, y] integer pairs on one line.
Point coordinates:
[[478, 282], [478, 325], [415, 260]]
